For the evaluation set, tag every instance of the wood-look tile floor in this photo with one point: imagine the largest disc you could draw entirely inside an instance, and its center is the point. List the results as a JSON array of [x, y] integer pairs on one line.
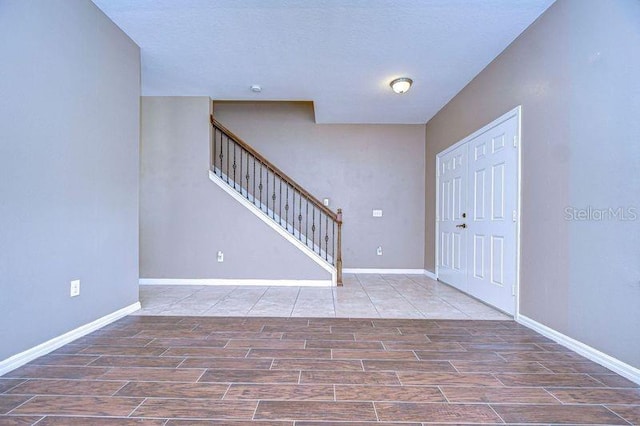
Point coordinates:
[[172, 370]]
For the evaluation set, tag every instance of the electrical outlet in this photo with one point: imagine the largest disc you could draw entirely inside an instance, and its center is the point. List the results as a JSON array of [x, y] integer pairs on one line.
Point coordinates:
[[379, 251], [74, 288], [220, 256]]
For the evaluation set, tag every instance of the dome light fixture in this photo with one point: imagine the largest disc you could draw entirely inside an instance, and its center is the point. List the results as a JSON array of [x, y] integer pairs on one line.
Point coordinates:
[[401, 85]]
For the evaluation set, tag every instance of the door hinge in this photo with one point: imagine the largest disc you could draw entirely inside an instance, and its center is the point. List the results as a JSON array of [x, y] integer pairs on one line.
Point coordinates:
[[513, 290], [515, 141], [514, 215]]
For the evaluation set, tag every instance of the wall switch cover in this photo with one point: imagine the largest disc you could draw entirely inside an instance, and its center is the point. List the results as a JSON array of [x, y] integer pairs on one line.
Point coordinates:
[[325, 201], [220, 256], [377, 213], [379, 251], [74, 289]]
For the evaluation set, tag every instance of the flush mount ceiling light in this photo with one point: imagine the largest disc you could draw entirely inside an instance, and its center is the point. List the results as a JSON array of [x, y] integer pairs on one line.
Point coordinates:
[[401, 85]]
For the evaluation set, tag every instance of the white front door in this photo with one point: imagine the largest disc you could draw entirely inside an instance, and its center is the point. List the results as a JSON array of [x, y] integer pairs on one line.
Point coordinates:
[[488, 267], [452, 208]]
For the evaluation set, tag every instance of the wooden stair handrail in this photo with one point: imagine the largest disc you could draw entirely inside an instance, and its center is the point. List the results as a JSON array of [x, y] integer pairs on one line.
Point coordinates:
[[337, 218]]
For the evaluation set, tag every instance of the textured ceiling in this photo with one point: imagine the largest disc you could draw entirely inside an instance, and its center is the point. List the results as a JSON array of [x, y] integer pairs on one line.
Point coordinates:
[[340, 54]]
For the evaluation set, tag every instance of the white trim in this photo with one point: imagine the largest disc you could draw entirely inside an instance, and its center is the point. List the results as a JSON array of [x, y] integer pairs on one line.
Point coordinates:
[[518, 111], [273, 225], [22, 358], [383, 271], [430, 274], [613, 364], [235, 282], [515, 112]]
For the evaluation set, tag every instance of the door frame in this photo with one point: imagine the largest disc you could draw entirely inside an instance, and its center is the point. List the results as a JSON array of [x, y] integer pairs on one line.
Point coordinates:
[[516, 112]]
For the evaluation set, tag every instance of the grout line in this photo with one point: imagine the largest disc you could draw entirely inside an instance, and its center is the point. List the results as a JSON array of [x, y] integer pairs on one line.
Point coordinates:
[[226, 391], [333, 299], [16, 407], [403, 296], [295, 302], [253, 417], [443, 394], [553, 396], [616, 414], [368, 296], [24, 380], [200, 377], [38, 421], [134, 410], [120, 388], [223, 297], [375, 410], [499, 416]]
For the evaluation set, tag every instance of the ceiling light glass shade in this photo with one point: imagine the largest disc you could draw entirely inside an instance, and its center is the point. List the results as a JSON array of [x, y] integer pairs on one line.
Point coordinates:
[[401, 85]]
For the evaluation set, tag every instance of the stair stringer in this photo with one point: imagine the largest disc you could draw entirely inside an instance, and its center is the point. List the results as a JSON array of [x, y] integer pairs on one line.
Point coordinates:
[[273, 224]]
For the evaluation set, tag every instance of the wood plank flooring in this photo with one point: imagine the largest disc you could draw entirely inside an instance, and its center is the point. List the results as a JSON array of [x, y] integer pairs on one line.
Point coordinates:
[[154, 370]]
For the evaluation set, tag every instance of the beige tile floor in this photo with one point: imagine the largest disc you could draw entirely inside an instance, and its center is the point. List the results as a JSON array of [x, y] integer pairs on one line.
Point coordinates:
[[362, 296]]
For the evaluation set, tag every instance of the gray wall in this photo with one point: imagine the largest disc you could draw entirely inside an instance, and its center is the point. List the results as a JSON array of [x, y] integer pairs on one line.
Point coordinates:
[[69, 131], [575, 73], [358, 167], [185, 218]]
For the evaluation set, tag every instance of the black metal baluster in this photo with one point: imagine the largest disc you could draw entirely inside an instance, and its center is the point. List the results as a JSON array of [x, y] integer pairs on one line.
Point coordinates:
[[234, 166], [306, 222], [260, 188], [320, 233], [300, 219], [273, 199], [240, 182], [213, 150], [247, 176], [254, 180], [313, 228], [227, 159], [326, 238], [286, 208], [280, 201], [266, 167], [221, 154]]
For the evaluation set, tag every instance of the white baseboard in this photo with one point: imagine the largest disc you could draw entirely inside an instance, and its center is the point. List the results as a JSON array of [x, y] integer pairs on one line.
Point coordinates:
[[236, 282], [22, 358], [586, 351], [430, 274], [383, 271]]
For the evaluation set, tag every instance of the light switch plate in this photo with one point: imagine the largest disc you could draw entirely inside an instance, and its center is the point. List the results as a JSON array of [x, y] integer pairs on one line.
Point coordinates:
[[377, 213], [74, 288]]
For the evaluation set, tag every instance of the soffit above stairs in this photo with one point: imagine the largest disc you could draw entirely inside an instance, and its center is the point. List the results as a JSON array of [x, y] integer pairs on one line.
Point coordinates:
[[340, 54]]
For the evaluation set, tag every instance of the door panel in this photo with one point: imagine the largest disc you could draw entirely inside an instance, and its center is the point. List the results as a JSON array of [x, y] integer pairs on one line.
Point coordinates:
[[481, 175], [452, 176], [494, 233]]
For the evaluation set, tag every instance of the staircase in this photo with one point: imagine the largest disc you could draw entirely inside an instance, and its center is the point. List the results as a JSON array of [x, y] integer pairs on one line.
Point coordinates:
[[268, 191]]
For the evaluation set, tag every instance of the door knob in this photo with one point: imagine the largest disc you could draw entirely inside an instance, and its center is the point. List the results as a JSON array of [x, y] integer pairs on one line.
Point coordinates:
[[464, 225]]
